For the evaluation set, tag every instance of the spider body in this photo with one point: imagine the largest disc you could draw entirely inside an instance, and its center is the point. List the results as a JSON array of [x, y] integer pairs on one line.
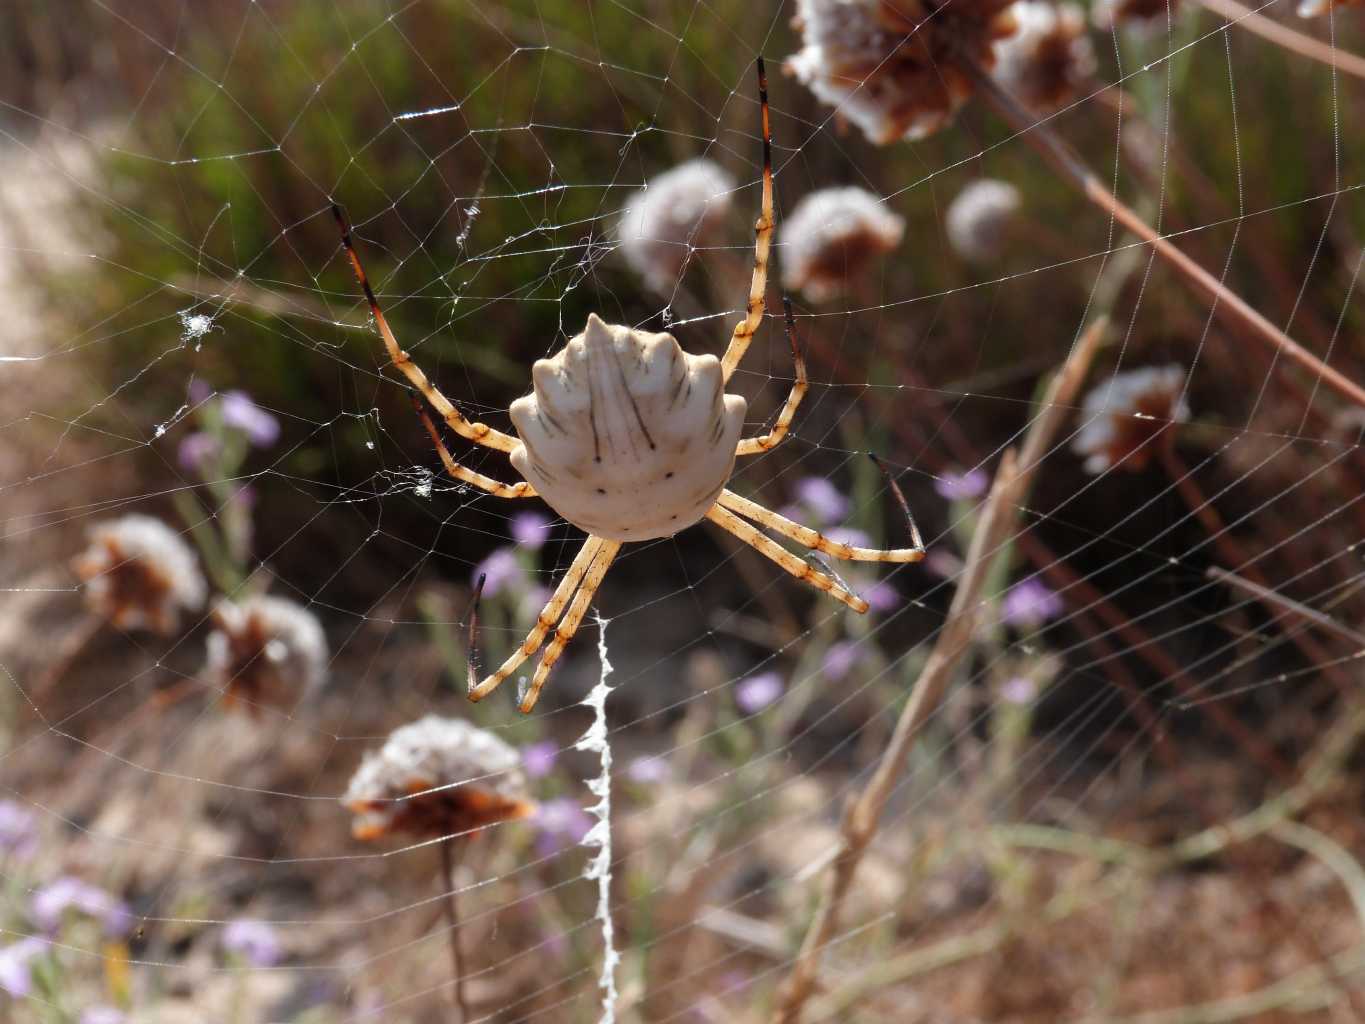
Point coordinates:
[[629, 438], [625, 435]]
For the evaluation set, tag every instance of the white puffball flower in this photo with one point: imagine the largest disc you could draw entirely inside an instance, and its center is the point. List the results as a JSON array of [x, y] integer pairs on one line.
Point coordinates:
[[140, 574], [1049, 58], [437, 777], [831, 235], [980, 217], [266, 651], [1122, 416], [676, 211], [895, 70]]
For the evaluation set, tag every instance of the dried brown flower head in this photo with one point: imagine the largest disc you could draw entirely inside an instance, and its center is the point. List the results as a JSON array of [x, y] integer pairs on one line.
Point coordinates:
[[1317, 8], [139, 574], [677, 211], [1049, 59], [1122, 416], [1139, 15], [265, 652], [980, 219], [437, 777], [831, 236], [898, 69]]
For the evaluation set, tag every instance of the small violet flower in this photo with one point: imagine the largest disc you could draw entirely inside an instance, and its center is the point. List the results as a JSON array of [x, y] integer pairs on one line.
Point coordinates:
[[538, 760], [530, 530], [849, 535], [1029, 604], [757, 692], [648, 770], [1019, 690], [241, 413], [502, 571], [18, 830], [254, 941], [882, 596], [562, 823], [197, 451], [15, 977], [840, 660], [103, 1015], [964, 487], [52, 903], [824, 501]]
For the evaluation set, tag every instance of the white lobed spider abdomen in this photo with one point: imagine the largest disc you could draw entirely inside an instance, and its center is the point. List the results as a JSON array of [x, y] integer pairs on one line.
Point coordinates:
[[625, 435]]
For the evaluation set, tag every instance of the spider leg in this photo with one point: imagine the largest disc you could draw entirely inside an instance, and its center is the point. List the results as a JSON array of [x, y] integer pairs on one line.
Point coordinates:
[[802, 570], [480, 433], [755, 445], [548, 616], [763, 238], [565, 631], [520, 489], [813, 538]]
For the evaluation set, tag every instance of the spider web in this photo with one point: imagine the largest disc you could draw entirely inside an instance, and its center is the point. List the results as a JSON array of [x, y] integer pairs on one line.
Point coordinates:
[[1135, 800]]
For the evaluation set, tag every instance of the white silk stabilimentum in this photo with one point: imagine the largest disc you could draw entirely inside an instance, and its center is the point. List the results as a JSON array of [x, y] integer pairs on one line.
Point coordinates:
[[594, 740]]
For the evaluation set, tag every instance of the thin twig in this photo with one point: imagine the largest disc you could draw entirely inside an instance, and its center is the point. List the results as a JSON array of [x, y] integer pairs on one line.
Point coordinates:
[[1286, 37], [1222, 300], [453, 923], [863, 814], [1303, 611]]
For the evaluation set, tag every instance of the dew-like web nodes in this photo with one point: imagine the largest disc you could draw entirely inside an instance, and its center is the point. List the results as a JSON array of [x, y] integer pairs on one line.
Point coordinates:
[[1083, 279]]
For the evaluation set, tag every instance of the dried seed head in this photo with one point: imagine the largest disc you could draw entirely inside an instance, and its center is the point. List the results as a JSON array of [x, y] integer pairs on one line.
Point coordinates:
[[1047, 61], [1125, 413], [139, 574], [1140, 16], [898, 69], [265, 652], [1317, 8], [675, 212], [437, 777], [980, 218], [831, 236]]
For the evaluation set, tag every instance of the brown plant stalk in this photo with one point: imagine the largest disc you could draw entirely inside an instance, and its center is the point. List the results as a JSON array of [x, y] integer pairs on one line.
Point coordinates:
[[1286, 37]]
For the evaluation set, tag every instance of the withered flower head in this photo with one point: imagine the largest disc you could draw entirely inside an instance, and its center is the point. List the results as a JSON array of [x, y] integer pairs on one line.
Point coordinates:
[[1317, 8], [139, 574], [1122, 416], [437, 777], [1049, 59], [898, 69], [980, 217], [831, 236], [1140, 16], [265, 652], [677, 211]]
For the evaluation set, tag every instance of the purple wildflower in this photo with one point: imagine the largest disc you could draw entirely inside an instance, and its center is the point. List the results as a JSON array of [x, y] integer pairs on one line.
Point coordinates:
[[103, 1015], [964, 487], [18, 830], [254, 941], [241, 413], [757, 692], [502, 570], [942, 562], [1019, 690], [840, 660], [1029, 604], [530, 530], [200, 391], [562, 823], [824, 501], [882, 596], [15, 977], [538, 760], [648, 770], [849, 535], [52, 902], [197, 451]]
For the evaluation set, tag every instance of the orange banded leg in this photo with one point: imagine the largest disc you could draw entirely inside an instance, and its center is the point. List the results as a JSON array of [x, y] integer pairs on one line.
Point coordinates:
[[755, 445], [548, 616], [520, 489], [480, 433], [802, 570], [763, 239], [601, 562], [812, 538]]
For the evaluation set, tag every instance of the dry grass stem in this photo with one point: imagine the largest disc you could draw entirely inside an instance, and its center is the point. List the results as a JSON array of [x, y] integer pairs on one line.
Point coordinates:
[[1286, 37], [1223, 302], [1303, 611]]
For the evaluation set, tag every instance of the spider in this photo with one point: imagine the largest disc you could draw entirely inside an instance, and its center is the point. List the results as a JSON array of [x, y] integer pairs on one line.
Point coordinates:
[[630, 438]]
